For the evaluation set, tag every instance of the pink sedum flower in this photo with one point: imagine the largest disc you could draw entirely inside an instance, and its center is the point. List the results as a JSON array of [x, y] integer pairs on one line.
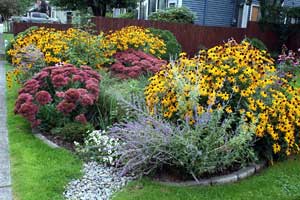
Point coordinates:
[[43, 97], [59, 80], [65, 107], [72, 95], [81, 118]]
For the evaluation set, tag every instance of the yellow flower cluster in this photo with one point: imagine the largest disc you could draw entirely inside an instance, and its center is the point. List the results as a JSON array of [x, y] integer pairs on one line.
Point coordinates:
[[237, 78], [73, 45], [49, 41], [137, 38]]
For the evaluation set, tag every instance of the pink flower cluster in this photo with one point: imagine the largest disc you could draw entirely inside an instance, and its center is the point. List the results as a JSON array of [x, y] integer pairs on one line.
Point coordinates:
[[289, 56], [67, 87], [132, 63]]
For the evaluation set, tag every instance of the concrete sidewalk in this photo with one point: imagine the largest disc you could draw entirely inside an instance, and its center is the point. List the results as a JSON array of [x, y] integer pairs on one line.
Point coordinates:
[[2, 47], [5, 178]]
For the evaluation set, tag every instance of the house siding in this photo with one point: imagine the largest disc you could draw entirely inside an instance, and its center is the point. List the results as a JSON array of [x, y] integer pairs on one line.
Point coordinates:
[[196, 6], [292, 3], [212, 12], [220, 13]]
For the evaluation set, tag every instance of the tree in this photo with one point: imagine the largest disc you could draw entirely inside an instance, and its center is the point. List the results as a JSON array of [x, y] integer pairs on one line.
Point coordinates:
[[44, 7], [24, 5], [279, 19], [98, 7], [8, 8]]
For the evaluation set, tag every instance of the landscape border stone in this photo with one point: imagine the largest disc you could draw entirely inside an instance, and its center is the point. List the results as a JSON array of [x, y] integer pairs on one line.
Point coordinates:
[[219, 180], [38, 135]]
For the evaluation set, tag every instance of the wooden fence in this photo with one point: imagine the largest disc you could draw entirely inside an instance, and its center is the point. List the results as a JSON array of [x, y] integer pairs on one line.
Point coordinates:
[[190, 36]]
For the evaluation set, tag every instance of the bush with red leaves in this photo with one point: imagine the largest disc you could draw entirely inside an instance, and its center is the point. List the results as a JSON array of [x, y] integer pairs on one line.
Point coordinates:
[[58, 94], [132, 63]]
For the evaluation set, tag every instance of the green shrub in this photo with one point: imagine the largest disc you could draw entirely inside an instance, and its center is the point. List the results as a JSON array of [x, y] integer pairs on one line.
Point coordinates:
[[214, 144], [178, 15], [73, 131], [87, 49], [128, 15], [172, 45], [257, 43], [111, 106]]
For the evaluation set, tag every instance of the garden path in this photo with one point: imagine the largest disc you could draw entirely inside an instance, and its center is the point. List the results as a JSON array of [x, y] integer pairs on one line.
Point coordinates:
[[5, 179]]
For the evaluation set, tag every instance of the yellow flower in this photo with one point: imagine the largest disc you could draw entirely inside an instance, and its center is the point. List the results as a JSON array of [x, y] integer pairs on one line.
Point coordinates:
[[276, 148]]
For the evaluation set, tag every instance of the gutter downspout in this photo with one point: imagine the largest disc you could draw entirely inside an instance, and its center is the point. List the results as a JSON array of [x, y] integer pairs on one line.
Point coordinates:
[[245, 16], [205, 11]]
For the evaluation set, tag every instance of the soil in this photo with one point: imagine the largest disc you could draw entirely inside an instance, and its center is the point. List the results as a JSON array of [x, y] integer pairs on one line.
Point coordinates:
[[60, 141], [168, 174]]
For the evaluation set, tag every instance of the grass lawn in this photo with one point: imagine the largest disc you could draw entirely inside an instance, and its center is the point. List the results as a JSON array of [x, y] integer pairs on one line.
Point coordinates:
[[8, 36], [38, 171]]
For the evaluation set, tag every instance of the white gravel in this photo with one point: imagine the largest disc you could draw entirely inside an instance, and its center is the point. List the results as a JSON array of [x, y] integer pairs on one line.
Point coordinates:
[[98, 183]]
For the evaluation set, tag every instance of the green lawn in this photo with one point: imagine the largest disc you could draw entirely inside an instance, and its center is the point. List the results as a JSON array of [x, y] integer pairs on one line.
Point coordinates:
[[8, 36], [38, 172]]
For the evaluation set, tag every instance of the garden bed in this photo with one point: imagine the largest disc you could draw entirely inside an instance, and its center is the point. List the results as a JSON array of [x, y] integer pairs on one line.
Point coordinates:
[[206, 116]]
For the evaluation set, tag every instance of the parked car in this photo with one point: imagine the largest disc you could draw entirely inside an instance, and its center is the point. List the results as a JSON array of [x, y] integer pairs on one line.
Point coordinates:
[[35, 17]]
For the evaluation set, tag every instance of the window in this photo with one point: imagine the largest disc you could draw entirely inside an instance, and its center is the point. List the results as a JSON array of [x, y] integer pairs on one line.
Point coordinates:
[[37, 15], [42, 15], [152, 6], [162, 4], [172, 5], [255, 13]]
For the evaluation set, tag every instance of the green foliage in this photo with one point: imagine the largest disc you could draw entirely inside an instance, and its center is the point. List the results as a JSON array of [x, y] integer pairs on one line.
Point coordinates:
[[111, 106], [8, 8], [279, 19], [213, 145], [73, 131], [178, 15], [51, 118], [87, 49], [128, 15], [173, 48], [257, 43]]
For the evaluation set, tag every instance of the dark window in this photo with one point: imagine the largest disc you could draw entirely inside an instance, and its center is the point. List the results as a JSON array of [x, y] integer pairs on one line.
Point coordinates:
[[37, 15]]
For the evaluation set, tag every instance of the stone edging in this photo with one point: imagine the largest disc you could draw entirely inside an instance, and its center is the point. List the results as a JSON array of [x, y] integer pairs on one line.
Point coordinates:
[[38, 135], [219, 180]]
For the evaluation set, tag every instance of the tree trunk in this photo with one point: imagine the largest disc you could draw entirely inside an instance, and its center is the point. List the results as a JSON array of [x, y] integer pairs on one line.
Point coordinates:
[[98, 10]]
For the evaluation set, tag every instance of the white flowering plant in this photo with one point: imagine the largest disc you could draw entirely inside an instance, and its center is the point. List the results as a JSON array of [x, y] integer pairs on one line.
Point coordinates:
[[99, 146]]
